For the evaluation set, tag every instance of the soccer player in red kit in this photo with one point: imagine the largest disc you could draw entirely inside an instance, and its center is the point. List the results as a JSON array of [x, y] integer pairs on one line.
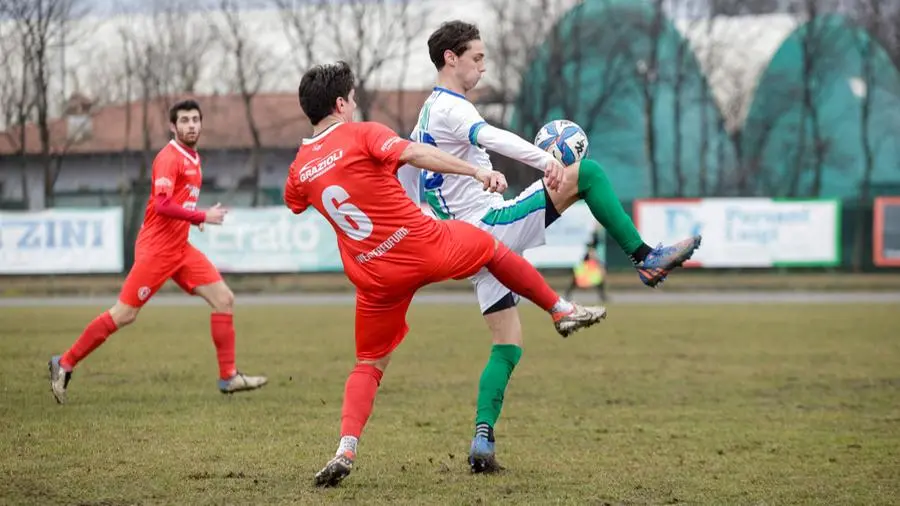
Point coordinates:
[[162, 252], [389, 248]]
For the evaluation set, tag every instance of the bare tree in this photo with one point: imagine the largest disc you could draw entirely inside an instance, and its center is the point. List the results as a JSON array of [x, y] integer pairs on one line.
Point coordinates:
[[521, 36], [683, 84], [744, 8], [251, 68], [520, 30], [705, 103], [186, 40], [157, 56], [819, 55], [122, 84], [411, 23], [16, 99], [364, 35], [870, 17], [539, 52], [887, 28], [542, 54], [46, 23], [144, 72], [301, 22], [590, 76], [692, 17], [648, 74], [559, 59], [810, 47]]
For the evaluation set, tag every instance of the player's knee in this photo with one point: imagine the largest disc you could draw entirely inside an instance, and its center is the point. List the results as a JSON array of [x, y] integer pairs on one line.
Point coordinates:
[[227, 301], [123, 314], [570, 184], [223, 301], [380, 363], [504, 324], [507, 335]]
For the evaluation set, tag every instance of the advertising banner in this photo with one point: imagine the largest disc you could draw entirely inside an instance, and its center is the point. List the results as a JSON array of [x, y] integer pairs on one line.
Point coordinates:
[[270, 239], [61, 241], [886, 232], [747, 232]]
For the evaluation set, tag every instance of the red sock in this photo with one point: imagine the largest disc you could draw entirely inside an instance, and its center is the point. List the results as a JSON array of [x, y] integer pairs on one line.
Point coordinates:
[[222, 327], [93, 336], [359, 398], [521, 277]]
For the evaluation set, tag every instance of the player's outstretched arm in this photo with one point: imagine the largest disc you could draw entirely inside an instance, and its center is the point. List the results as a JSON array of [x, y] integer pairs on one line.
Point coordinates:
[[512, 146], [433, 159]]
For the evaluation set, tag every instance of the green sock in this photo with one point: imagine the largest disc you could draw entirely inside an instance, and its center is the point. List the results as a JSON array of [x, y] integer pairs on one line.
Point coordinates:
[[494, 379], [598, 193]]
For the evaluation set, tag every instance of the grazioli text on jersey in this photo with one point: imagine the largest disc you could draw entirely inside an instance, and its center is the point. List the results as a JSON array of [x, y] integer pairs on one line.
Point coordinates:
[[318, 166]]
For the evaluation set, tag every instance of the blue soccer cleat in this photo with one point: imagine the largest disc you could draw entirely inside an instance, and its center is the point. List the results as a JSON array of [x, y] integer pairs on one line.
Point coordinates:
[[481, 456], [662, 260]]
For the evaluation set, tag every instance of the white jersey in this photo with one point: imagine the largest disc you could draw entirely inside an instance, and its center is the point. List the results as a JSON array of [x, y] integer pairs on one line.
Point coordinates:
[[450, 122]]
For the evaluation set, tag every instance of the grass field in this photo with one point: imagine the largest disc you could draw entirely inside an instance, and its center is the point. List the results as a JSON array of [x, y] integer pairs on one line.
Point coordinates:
[[697, 405], [689, 280]]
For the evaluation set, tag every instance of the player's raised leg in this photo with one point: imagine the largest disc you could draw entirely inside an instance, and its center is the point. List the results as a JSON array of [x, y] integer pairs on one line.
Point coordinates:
[[145, 279], [380, 328], [197, 275], [587, 180], [470, 249], [521, 277]]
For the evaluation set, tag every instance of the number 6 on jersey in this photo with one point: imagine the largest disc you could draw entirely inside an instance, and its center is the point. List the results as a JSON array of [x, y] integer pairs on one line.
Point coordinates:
[[350, 218]]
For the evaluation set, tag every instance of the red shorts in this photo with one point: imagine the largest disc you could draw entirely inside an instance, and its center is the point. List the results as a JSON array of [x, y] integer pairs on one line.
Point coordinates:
[[461, 251], [150, 273]]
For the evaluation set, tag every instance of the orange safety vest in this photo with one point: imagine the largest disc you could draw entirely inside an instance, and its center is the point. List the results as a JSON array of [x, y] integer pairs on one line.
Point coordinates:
[[588, 273]]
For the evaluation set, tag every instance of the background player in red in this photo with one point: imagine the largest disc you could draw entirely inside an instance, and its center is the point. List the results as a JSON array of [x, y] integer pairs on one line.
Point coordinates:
[[162, 251], [389, 248]]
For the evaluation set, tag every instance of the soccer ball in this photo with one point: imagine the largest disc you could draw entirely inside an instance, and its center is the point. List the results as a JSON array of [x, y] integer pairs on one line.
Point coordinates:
[[563, 139]]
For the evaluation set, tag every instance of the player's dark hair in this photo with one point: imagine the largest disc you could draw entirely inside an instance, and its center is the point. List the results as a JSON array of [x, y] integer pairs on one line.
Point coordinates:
[[320, 88], [453, 35], [184, 105]]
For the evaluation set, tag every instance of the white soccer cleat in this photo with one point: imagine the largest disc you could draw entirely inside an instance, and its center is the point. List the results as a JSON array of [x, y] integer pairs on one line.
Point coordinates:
[[59, 379], [240, 382], [580, 317]]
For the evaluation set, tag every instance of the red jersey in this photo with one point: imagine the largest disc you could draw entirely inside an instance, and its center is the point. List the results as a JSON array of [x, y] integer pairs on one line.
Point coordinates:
[[176, 175], [348, 173]]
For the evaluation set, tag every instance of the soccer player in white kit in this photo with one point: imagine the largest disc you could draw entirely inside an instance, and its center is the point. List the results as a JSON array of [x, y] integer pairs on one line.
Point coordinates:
[[449, 121]]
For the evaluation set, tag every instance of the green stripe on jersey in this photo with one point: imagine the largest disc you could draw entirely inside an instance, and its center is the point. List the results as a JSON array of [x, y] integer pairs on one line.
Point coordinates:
[[518, 211], [435, 202]]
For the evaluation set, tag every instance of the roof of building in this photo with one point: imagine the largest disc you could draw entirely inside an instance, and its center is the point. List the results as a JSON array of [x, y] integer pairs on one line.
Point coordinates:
[[281, 123]]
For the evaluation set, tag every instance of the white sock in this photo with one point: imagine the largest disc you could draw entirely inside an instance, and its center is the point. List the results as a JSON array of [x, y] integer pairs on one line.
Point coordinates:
[[562, 306], [348, 443]]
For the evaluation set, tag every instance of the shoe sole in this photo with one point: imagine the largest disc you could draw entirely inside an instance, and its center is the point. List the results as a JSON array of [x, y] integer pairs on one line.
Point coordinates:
[[484, 465], [655, 280], [568, 332], [59, 396], [331, 476], [229, 392]]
